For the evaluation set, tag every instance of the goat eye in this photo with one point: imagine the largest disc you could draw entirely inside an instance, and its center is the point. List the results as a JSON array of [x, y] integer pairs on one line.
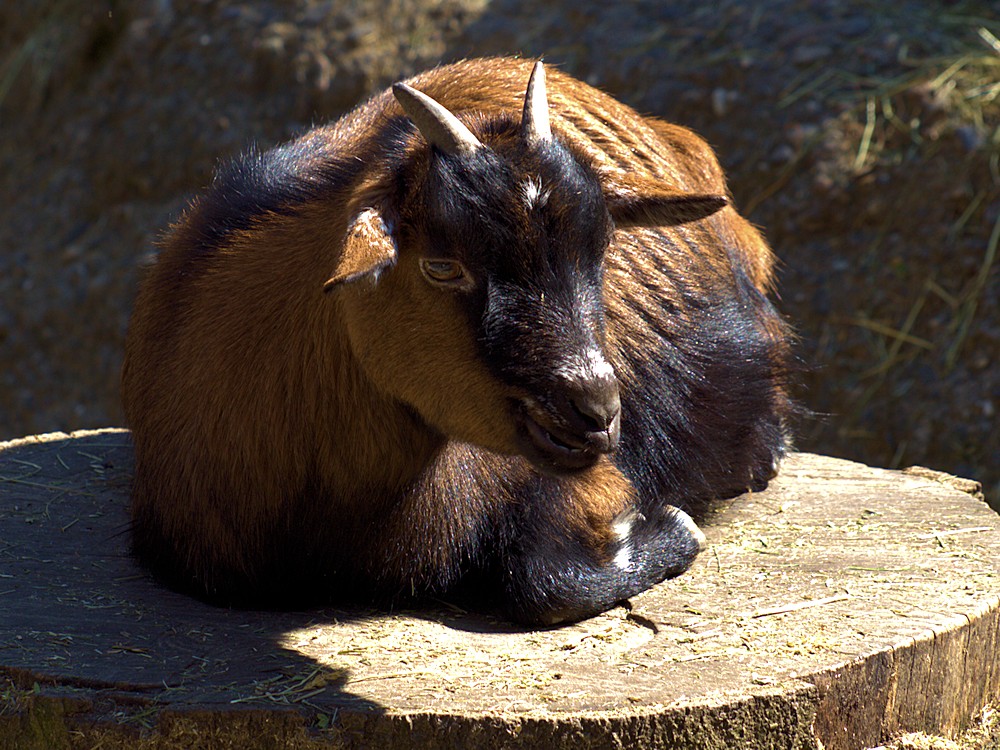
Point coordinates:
[[444, 271]]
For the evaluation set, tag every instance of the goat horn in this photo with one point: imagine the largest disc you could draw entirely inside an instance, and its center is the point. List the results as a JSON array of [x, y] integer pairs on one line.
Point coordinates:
[[437, 125], [535, 120]]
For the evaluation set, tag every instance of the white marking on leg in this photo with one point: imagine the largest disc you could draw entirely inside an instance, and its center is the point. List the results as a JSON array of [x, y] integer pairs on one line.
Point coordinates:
[[622, 524], [623, 558], [692, 527], [621, 527]]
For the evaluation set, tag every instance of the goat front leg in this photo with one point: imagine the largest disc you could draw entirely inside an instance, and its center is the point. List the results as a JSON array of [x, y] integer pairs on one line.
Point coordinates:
[[580, 545]]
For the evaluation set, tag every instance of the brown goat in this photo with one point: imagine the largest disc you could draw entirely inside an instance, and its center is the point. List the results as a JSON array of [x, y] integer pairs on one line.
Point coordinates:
[[462, 340]]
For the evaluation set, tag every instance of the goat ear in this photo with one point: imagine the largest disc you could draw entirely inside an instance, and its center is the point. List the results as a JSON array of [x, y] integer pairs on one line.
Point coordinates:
[[368, 249], [647, 203]]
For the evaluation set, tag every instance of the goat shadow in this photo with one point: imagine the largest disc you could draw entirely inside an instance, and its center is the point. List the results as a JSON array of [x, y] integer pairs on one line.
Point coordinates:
[[79, 617]]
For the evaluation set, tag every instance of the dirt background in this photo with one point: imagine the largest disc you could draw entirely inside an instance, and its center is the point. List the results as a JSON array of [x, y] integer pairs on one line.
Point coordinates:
[[862, 136]]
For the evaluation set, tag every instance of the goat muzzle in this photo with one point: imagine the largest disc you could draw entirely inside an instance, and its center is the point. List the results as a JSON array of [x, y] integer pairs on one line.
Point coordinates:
[[575, 426]]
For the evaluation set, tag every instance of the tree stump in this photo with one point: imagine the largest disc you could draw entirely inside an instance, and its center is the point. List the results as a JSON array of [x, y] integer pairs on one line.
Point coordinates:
[[842, 605]]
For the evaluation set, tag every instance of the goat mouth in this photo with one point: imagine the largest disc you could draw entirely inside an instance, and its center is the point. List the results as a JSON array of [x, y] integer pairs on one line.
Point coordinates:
[[551, 448]]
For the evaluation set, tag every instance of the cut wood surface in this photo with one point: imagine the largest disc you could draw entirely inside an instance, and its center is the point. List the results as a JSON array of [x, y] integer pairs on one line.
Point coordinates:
[[842, 605]]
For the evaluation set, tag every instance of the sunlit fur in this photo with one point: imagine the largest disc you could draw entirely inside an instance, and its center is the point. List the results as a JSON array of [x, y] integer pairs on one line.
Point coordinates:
[[313, 420]]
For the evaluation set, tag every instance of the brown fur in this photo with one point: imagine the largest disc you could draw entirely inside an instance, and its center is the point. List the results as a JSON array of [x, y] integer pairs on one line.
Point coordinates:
[[261, 405]]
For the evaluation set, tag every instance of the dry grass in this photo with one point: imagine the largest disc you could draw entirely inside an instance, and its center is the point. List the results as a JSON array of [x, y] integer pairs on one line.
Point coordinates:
[[965, 88], [922, 266], [983, 735]]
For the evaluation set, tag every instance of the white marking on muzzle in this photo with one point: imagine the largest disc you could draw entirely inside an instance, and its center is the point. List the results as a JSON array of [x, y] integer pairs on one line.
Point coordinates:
[[591, 366], [599, 366]]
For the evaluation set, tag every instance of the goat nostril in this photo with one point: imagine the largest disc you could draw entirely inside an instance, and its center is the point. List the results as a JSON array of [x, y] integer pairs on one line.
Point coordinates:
[[597, 410]]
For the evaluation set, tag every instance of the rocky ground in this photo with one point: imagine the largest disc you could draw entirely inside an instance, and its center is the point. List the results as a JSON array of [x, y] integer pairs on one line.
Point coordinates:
[[862, 136]]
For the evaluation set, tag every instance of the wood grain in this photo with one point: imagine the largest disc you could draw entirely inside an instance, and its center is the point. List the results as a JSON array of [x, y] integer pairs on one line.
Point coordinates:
[[842, 605]]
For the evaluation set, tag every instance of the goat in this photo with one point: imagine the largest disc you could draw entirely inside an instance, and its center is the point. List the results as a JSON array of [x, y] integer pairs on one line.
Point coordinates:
[[464, 339]]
